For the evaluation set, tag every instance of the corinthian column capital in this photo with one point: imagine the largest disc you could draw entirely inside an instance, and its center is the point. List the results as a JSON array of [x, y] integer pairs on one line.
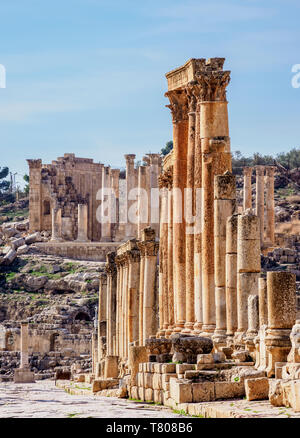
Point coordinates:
[[212, 85], [178, 105]]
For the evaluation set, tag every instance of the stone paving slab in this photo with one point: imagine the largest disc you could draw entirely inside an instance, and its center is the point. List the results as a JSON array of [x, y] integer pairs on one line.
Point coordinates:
[[43, 400]]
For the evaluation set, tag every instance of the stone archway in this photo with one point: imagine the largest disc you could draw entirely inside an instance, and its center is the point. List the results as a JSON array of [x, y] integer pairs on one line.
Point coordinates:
[[82, 316]]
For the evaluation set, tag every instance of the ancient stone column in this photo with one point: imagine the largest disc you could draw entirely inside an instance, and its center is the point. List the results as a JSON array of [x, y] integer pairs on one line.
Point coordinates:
[[24, 345], [163, 258], [154, 173], [105, 203], [82, 223], [198, 225], [102, 314], [149, 304], [111, 272], [118, 308], [143, 193], [216, 160], [247, 199], [270, 205], [179, 110], [248, 265], [231, 274], [141, 247], [224, 207], [253, 324], [56, 224], [260, 208], [262, 356], [35, 201], [94, 352], [133, 257], [189, 209], [114, 200], [170, 265], [130, 228], [281, 287]]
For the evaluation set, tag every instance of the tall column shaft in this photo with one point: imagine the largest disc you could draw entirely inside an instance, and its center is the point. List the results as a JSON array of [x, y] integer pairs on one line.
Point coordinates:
[[154, 173], [105, 204], [163, 259], [111, 302], [143, 193], [189, 203], [231, 274], [130, 227], [248, 264], [224, 207], [171, 302], [247, 194], [82, 223], [24, 345], [270, 204], [56, 224], [260, 207], [133, 297]]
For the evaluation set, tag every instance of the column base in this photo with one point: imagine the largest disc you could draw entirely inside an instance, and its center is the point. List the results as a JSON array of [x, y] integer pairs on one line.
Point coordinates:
[[188, 327], [208, 330], [105, 239], [23, 375], [82, 240], [219, 338], [178, 326], [197, 328], [161, 334], [56, 239]]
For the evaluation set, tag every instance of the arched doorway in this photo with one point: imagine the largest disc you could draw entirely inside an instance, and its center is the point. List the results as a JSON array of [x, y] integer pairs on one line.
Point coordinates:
[[82, 316], [53, 341]]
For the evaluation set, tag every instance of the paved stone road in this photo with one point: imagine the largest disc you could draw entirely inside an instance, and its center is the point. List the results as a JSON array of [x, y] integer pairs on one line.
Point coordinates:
[[43, 400]]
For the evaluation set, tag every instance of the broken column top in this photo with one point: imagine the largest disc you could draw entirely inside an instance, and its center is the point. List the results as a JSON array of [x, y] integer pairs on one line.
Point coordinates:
[[181, 76]]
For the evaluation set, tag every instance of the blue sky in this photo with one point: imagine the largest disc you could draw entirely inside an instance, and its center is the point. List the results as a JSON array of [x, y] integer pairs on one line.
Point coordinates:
[[87, 76]]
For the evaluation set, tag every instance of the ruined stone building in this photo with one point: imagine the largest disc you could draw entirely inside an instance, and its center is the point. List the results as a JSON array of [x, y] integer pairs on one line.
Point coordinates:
[[86, 205]]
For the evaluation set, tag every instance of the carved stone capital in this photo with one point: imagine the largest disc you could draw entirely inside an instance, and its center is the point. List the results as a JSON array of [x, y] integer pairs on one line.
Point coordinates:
[[212, 85], [34, 164], [178, 105]]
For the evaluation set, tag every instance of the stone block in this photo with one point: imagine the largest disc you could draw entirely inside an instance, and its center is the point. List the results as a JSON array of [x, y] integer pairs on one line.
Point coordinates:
[[141, 393], [22, 249], [158, 368], [166, 386], [168, 368], [225, 390], [191, 374], [23, 375], [203, 392], [148, 380], [278, 369], [219, 357], [111, 367], [205, 358], [257, 389], [181, 392], [148, 395], [181, 368], [134, 393], [158, 396], [157, 381], [140, 379]]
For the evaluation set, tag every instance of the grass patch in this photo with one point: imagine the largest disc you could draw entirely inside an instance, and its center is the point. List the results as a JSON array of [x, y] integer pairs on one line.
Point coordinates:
[[180, 412]]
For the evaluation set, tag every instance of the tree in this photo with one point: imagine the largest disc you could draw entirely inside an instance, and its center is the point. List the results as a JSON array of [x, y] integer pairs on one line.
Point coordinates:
[[4, 185], [26, 188], [167, 148]]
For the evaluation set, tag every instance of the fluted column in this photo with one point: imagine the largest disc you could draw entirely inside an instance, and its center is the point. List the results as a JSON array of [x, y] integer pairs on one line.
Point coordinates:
[[247, 195], [82, 223], [179, 109], [141, 247], [260, 207], [270, 205], [224, 207]]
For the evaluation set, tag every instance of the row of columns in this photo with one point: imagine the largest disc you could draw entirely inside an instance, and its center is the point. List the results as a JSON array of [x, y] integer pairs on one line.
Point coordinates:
[[264, 201], [128, 298], [201, 151]]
